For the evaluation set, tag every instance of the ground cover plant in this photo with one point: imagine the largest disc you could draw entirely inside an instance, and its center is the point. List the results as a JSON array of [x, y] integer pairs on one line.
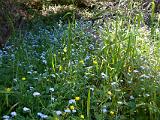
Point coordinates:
[[82, 70]]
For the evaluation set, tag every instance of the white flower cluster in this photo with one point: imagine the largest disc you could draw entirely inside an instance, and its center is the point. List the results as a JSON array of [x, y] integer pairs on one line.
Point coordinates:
[[25, 109], [35, 94], [7, 117], [42, 116]]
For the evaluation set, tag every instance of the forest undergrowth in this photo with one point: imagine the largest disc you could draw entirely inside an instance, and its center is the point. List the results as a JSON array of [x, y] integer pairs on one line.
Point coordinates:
[[107, 69]]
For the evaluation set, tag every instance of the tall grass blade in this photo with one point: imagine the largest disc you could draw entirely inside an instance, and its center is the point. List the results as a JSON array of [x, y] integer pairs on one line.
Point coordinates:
[[88, 104]]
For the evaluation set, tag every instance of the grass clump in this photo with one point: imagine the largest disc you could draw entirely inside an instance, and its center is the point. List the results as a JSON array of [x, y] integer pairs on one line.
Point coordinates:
[[67, 72]]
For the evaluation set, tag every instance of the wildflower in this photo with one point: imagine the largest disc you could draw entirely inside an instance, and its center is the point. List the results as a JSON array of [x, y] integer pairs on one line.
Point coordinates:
[[109, 93], [129, 82], [58, 112], [13, 114], [42, 116], [72, 101], [23, 78], [92, 89], [25, 109], [53, 99], [31, 88], [120, 103], [91, 47], [74, 111], [60, 68], [15, 79], [44, 61], [51, 89], [6, 117], [82, 116], [29, 72], [142, 67], [39, 114], [111, 112], [34, 72], [121, 81], [145, 76], [104, 110], [77, 98], [147, 95], [81, 61], [95, 62], [72, 107], [135, 71], [8, 90], [53, 75], [129, 69], [131, 97], [87, 58], [36, 94], [65, 49], [114, 83], [103, 75], [143, 89], [67, 110]]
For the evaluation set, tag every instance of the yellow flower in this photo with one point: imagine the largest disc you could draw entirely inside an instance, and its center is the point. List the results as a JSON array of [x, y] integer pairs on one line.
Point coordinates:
[[77, 98], [8, 90], [65, 49], [81, 61], [109, 93], [23, 78], [60, 68], [55, 118], [82, 116], [129, 69], [72, 107], [111, 112], [95, 62]]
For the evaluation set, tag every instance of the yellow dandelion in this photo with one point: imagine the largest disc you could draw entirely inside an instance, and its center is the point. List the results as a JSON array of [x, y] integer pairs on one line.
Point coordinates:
[[129, 69], [8, 90], [111, 112], [82, 116], [81, 61], [55, 118], [95, 62], [77, 98], [72, 107], [60, 68], [65, 49], [109, 93], [23, 78]]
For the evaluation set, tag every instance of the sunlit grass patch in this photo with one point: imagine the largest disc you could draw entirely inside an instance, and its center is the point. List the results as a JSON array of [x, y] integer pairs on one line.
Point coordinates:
[[63, 72]]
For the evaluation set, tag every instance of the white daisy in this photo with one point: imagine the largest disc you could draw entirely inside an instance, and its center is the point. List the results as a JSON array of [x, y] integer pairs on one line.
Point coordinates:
[[36, 94], [13, 114], [25, 109]]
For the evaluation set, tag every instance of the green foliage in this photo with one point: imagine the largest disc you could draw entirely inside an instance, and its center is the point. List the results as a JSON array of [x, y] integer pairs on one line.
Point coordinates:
[[68, 72]]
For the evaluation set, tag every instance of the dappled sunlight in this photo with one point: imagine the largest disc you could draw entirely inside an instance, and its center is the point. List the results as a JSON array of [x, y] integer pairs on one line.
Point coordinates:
[[102, 65]]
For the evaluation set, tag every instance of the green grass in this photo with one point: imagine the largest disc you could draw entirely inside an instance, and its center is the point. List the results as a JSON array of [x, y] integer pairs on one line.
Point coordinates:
[[116, 76]]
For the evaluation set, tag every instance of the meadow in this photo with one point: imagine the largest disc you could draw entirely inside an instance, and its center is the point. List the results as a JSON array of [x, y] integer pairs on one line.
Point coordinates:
[[80, 71]]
